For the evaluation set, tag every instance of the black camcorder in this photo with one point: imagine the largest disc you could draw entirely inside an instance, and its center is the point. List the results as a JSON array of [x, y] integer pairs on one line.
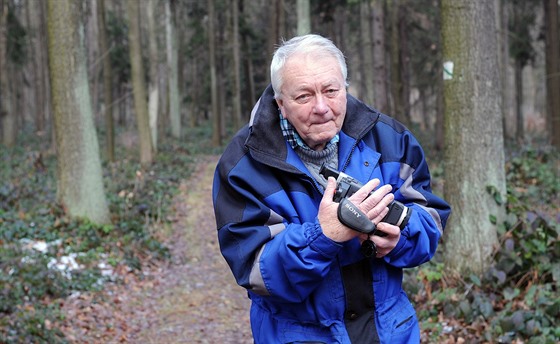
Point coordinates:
[[346, 186]]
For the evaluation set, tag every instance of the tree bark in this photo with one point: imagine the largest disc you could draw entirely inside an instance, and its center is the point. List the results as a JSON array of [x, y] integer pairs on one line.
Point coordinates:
[[519, 122], [553, 70], [8, 76], [439, 126], [34, 26], [153, 86], [366, 46], [303, 17], [236, 66], [216, 122], [379, 63], [474, 154], [139, 84], [396, 84], [5, 99], [405, 69], [173, 68], [80, 183], [107, 84], [249, 88]]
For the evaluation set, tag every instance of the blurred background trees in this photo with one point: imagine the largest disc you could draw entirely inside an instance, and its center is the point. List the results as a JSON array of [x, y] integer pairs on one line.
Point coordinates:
[[393, 50]]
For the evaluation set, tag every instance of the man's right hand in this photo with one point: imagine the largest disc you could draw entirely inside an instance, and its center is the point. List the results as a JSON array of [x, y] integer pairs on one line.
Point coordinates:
[[374, 205]]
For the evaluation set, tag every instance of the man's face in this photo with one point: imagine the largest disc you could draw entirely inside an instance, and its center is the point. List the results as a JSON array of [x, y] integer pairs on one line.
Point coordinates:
[[313, 98]]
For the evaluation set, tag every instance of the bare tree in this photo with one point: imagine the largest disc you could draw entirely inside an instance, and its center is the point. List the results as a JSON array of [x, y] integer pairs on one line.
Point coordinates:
[[8, 77], [5, 100], [400, 63], [173, 69], [474, 154], [216, 117], [379, 52], [107, 84], [236, 65], [366, 90], [553, 69], [153, 86], [138, 84], [80, 183], [303, 17]]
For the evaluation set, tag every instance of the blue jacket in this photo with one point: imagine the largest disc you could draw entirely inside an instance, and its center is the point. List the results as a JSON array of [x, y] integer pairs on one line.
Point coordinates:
[[303, 285]]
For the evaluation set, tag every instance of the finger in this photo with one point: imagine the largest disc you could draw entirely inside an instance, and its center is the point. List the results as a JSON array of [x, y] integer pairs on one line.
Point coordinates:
[[379, 197], [364, 191], [389, 229], [386, 243], [378, 213]]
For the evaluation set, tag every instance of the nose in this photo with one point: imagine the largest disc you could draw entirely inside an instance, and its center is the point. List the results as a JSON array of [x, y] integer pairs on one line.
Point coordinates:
[[320, 106]]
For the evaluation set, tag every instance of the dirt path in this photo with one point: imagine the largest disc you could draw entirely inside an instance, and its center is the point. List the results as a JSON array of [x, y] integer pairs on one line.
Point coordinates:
[[195, 299]]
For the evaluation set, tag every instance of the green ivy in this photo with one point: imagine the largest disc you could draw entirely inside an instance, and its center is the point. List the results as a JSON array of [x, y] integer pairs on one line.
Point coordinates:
[[517, 298]]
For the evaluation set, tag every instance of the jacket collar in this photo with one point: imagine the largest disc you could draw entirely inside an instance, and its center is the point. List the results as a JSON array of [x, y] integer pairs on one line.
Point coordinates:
[[266, 142]]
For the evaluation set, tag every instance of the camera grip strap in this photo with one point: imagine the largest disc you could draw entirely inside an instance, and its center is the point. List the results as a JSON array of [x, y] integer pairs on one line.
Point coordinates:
[[351, 216]]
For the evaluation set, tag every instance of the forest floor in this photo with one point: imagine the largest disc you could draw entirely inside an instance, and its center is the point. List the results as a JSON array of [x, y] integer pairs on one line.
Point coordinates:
[[193, 298]]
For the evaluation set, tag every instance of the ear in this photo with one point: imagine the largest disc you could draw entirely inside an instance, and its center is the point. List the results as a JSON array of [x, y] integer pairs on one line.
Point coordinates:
[[280, 103]]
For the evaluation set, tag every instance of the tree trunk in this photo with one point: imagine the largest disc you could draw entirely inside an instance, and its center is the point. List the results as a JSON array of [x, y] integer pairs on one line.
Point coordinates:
[[216, 123], [153, 89], [222, 17], [34, 26], [276, 27], [303, 17], [474, 154], [248, 63], [107, 84], [236, 66], [519, 130], [405, 69], [366, 47], [80, 183], [379, 64], [8, 76], [92, 53], [44, 66], [173, 86], [553, 70], [139, 84], [396, 84], [503, 55], [439, 126], [5, 100]]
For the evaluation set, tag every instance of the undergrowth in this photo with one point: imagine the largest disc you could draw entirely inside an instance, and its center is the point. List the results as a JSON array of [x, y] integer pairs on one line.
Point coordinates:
[[517, 300], [46, 256]]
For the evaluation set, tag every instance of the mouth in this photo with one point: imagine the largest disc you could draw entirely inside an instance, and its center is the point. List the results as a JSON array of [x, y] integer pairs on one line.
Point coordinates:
[[323, 120]]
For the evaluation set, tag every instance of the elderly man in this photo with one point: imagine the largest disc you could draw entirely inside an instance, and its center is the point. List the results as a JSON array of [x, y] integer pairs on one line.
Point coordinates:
[[314, 270]]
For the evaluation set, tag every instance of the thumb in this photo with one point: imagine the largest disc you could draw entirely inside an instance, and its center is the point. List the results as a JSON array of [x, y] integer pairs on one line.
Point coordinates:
[[330, 190]]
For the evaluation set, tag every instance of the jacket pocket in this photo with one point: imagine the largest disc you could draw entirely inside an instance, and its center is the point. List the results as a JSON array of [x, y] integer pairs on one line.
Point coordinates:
[[397, 321]]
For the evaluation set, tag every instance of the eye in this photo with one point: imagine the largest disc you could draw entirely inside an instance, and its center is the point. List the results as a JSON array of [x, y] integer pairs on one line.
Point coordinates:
[[303, 98], [331, 92]]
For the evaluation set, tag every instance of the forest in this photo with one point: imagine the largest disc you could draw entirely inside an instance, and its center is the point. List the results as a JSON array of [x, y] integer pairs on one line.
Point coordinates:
[[108, 106]]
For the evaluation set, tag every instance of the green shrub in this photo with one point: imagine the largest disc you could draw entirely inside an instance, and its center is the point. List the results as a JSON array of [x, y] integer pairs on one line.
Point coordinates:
[[517, 298]]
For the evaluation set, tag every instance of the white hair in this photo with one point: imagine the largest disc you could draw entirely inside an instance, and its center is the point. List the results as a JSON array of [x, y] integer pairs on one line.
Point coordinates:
[[307, 44]]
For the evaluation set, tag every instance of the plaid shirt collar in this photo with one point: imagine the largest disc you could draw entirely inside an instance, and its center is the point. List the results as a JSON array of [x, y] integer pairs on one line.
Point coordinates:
[[293, 137]]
